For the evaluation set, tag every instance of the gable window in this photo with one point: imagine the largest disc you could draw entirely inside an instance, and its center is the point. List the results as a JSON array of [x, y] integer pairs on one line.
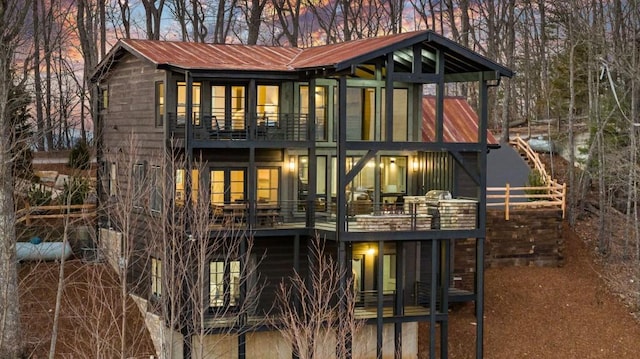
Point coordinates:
[[156, 277], [159, 103], [155, 200], [181, 110], [228, 107], [268, 104], [224, 283], [321, 109]]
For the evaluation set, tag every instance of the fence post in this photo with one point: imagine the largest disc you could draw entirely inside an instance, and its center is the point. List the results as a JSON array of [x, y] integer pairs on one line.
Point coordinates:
[[506, 201], [564, 199], [27, 213]]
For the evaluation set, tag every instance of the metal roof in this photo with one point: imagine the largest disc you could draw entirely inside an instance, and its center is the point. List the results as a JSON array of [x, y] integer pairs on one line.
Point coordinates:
[[460, 121], [335, 57]]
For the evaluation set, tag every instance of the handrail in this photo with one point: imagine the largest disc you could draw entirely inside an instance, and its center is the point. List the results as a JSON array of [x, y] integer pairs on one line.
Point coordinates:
[[552, 194], [522, 146], [29, 213]]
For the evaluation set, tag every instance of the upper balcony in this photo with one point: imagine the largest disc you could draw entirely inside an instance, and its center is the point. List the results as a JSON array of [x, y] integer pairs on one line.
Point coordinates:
[[289, 127]]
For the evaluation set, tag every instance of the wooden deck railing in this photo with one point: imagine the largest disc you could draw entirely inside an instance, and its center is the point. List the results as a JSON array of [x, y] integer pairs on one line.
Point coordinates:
[[28, 213], [551, 194]]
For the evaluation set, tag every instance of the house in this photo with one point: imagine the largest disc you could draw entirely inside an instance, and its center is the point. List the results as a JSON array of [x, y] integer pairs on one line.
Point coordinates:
[[326, 141]]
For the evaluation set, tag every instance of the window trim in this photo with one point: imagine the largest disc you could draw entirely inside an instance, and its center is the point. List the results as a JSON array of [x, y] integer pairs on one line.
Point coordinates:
[[227, 285], [156, 277], [160, 103]]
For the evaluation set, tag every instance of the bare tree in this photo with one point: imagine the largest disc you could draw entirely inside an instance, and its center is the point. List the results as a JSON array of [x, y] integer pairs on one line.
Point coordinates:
[[153, 17], [12, 22], [314, 310]]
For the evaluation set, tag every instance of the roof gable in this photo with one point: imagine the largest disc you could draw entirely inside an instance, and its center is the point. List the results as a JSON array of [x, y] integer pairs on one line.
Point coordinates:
[[336, 57]]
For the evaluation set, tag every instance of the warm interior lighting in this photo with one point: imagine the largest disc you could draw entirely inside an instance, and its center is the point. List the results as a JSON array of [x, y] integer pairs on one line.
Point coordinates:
[[292, 163], [416, 164], [371, 251]]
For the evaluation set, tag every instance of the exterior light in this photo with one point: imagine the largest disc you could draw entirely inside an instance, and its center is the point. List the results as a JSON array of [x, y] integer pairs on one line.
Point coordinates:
[[416, 164], [292, 163], [371, 251]]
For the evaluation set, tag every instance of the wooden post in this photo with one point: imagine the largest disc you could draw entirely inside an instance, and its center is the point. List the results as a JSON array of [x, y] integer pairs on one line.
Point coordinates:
[[506, 202], [27, 212]]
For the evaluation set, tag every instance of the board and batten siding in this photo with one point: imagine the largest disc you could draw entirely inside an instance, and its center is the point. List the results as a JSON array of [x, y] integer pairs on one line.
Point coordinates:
[[131, 107]]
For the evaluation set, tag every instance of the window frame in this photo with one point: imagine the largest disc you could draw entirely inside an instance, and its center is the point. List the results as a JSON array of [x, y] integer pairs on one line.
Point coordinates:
[[155, 197], [156, 277], [228, 300], [160, 103]]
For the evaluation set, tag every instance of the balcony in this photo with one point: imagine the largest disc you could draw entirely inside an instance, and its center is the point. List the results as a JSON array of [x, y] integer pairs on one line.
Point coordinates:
[[280, 127]]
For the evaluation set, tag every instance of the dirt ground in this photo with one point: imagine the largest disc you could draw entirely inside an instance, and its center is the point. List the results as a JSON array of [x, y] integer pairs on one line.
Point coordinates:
[[565, 312]]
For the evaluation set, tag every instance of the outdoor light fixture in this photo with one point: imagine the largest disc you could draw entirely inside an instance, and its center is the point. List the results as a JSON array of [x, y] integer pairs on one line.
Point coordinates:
[[292, 163], [371, 251], [416, 164]]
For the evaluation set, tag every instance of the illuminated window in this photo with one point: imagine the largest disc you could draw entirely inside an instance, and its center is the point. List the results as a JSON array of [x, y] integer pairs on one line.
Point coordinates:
[[363, 182], [224, 283], [268, 101], [156, 277], [227, 185], [181, 110], [228, 107], [181, 183], [268, 184], [321, 109]]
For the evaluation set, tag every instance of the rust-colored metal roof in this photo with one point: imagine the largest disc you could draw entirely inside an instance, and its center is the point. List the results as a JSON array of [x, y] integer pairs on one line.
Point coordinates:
[[334, 54], [201, 56], [460, 121], [336, 57]]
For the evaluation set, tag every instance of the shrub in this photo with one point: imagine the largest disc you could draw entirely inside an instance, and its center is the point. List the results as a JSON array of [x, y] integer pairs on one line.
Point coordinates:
[[38, 196], [80, 156], [75, 191], [535, 180]]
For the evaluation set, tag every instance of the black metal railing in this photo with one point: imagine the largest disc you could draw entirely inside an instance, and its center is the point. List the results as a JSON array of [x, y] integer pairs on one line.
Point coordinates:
[[279, 127]]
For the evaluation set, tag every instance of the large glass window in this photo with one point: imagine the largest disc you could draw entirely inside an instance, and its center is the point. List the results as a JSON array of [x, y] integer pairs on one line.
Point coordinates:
[[321, 109], [224, 283], [363, 183], [268, 184], [228, 107], [393, 177], [181, 110], [227, 186], [159, 103], [268, 104], [321, 180], [361, 106], [400, 114]]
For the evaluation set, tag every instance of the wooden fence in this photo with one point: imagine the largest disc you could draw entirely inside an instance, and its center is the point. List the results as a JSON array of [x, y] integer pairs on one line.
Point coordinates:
[[551, 194], [28, 213]]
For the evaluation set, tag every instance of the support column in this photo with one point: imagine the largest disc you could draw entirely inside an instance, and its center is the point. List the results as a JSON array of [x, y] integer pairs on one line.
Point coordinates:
[[399, 299], [380, 297]]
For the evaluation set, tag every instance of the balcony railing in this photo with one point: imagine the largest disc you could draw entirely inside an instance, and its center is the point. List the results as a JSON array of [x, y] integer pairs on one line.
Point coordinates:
[[279, 127]]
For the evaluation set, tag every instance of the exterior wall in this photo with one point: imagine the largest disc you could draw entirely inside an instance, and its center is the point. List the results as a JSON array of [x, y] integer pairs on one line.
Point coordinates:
[[131, 106], [530, 237]]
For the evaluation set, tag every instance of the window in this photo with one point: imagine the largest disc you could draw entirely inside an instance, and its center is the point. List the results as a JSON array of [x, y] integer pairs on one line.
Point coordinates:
[[393, 174], [159, 103], [181, 110], [181, 186], [400, 114], [321, 180], [321, 109], [268, 184], [224, 283], [363, 182], [104, 98], [138, 184], [227, 186], [113, 178], [228, 107], [156, 277], [267, 106], [361, 103], [155, 201]]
